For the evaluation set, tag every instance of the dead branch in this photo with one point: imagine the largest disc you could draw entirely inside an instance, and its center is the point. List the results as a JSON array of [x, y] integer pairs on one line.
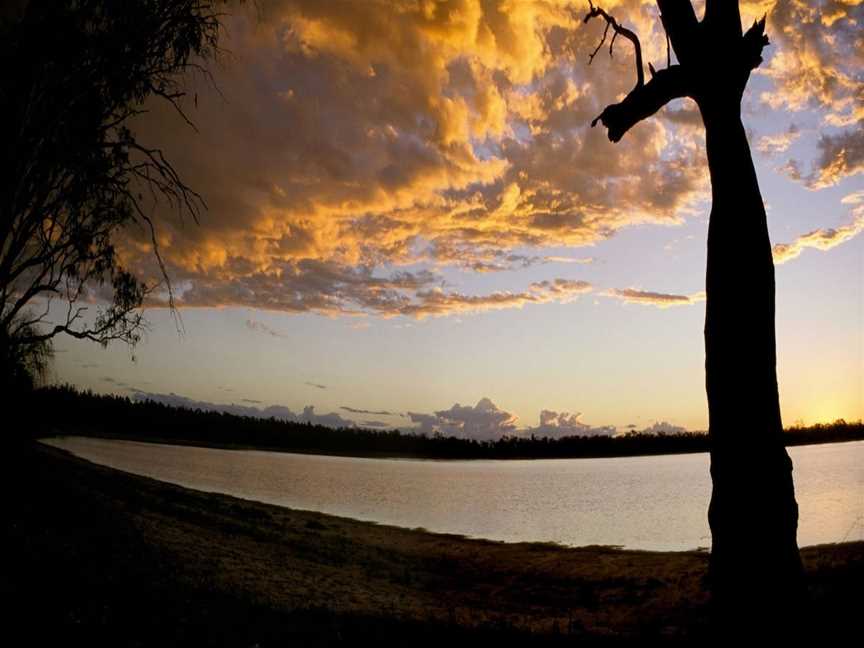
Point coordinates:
[[755, 41], [617, 29], [643, 101]]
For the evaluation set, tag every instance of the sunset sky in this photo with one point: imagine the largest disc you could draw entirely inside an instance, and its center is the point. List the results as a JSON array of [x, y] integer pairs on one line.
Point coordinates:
[[412, 224]]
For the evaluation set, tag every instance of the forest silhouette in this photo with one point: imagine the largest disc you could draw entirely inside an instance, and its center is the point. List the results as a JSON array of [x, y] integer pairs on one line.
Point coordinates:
[[70, 411]]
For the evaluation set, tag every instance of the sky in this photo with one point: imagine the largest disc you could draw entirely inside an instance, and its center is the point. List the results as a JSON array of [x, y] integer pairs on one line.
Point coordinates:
[[411, 223]]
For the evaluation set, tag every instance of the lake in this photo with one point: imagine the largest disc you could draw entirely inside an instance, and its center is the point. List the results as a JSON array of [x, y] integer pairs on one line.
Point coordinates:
[[655, 503]]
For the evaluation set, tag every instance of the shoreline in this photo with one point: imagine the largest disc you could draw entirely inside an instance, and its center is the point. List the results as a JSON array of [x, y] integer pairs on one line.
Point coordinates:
[[349, 519], [227, 491], [194, 443], [175, 560]]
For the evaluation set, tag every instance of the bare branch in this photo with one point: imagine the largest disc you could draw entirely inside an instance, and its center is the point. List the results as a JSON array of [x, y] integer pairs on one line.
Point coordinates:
[[73, 167], [174, 98], [166, 180], [595, 12], [644, 101], [599, 45], [29, 323], [755, 41]]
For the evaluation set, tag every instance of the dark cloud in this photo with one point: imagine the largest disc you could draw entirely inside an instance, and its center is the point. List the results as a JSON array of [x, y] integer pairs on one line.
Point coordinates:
[[354, 410], [308, 285], [497, 261], [437, 302], [840, 156], [650, 298], [685, 114], [315, 286], [254, 325]]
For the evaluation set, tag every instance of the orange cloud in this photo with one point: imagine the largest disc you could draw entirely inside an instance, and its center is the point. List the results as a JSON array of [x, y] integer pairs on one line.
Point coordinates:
[[824, 238], [330, 289], [840, 156], [816, 65], [817, 58], [401, 132], [779, 142], [349, 140], [437, 302]]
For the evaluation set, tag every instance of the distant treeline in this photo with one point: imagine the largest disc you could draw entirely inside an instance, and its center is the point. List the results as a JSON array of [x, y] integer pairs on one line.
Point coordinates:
[[66, 410]]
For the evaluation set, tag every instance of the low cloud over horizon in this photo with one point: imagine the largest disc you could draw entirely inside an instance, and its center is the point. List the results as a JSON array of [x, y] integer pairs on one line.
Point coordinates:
[[484, 421], [280, 412]]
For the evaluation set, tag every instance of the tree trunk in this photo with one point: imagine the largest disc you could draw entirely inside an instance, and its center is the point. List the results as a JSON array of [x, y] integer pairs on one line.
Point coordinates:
[[755, 568], [756, 576]]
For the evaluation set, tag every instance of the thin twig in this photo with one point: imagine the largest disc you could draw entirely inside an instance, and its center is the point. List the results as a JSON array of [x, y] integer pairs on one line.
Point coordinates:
[[594, 12]]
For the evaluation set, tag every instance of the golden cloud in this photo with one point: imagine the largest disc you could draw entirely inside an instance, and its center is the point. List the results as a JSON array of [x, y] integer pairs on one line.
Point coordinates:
[[328, 289], [840, 156], [779, 142], [348, 140], [824, 238], [436, 302], [816, 66]]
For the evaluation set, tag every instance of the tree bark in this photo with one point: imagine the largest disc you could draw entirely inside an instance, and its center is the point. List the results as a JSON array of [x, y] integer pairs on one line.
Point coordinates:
[[755, 568]]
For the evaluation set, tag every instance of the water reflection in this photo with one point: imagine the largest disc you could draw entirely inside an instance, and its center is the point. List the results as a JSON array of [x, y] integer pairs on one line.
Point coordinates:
[[656, 503]]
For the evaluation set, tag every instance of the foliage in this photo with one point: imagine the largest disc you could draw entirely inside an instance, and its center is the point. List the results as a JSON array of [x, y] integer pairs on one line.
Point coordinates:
[[73, 174], [24, 365]]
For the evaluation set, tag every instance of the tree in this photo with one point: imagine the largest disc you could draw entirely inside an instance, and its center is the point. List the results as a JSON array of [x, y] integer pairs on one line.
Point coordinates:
[[73, 175], [755, 569]]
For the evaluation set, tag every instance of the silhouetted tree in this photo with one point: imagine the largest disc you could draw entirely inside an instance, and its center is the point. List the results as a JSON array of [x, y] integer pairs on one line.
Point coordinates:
[[755, 568], [72, 172]]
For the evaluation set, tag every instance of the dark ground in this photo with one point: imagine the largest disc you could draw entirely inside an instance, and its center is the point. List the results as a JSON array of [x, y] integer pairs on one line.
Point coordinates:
[[93, 556]]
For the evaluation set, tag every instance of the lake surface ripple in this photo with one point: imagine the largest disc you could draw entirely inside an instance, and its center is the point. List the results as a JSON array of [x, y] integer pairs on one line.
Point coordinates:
[[656, 503]]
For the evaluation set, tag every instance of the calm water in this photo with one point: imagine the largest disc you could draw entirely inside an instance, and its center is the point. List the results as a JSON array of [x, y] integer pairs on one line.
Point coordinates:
[[654, 503]]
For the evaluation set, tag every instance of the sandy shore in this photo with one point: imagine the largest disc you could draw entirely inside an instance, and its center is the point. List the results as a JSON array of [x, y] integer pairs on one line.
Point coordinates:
[[113, 558]]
